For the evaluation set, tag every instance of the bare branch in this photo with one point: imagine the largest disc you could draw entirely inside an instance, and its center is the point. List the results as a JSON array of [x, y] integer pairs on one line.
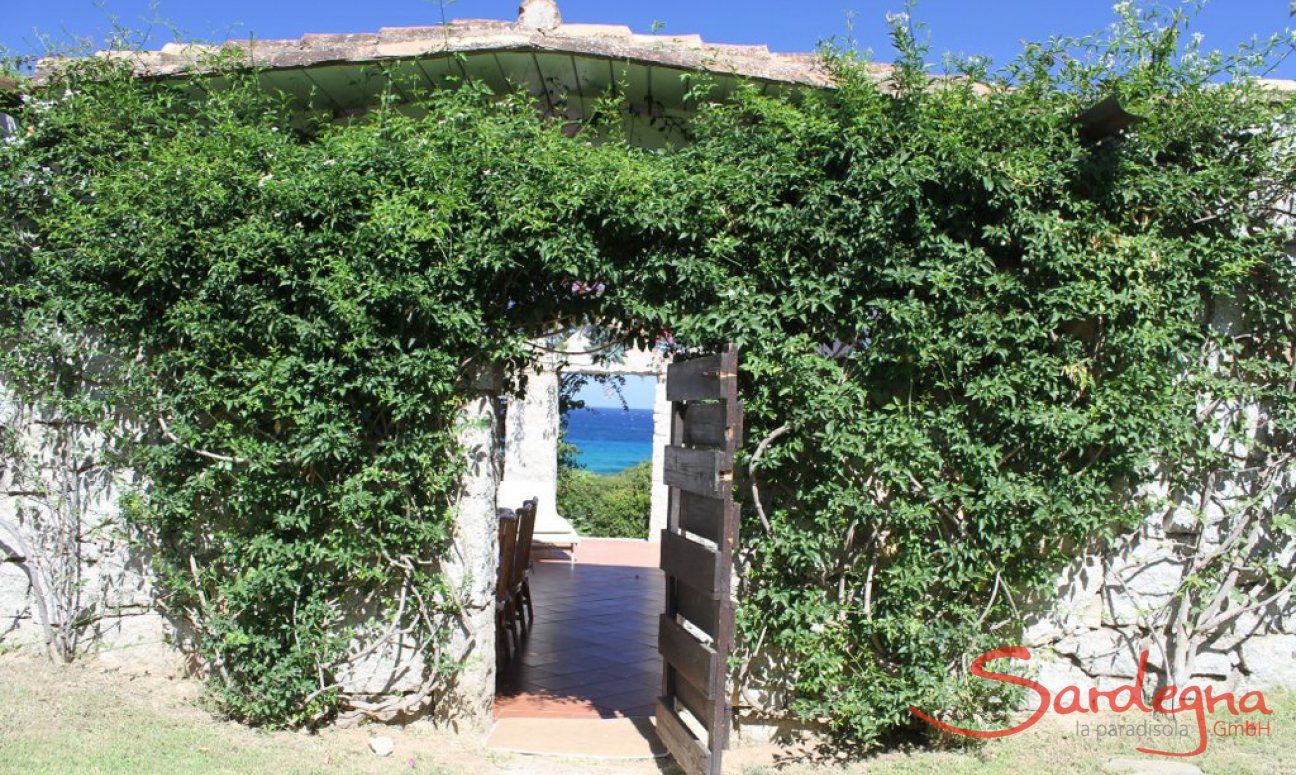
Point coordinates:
[[751, 474], [166, 431]]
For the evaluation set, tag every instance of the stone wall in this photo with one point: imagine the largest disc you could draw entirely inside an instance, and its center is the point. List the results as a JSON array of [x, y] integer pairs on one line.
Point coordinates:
[[531, 455], [1111, 603], [1114, 602], [63, 529], [128, 629], [1091, 633], [128, 632], [472, 567]]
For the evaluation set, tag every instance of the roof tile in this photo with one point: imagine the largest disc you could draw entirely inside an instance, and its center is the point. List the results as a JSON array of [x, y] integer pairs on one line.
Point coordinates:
[[468, 35]]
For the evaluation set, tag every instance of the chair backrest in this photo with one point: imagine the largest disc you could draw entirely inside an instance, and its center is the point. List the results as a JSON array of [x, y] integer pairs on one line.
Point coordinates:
[[526, 529], [508, 538]]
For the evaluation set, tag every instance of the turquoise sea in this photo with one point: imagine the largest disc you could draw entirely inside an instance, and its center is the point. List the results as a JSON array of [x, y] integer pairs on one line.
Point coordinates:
[[611, 440]]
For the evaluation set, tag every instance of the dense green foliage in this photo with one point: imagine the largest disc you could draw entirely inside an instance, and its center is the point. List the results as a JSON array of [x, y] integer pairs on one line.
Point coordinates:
[[1024, 308], [307, 306], [290, 311], [607, 505]]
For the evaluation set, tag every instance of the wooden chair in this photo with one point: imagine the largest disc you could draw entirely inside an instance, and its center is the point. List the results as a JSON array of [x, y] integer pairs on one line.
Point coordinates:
[[520, 583], [504, 634]]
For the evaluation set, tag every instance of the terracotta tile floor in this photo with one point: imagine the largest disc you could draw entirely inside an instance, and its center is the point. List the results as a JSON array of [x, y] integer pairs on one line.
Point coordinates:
[[592, 651]]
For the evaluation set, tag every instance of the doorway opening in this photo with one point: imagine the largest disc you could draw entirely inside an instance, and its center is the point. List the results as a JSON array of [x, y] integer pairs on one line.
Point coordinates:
[[591, 649], [593, 656], [605, 454]]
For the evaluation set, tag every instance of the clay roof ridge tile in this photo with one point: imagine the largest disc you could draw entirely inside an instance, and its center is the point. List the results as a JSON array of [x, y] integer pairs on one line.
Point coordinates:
[[579, 30]]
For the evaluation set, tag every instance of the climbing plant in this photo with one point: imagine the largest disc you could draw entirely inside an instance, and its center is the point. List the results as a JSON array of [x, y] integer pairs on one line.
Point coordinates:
[[293, 313], [1020, 319], [965, 332]]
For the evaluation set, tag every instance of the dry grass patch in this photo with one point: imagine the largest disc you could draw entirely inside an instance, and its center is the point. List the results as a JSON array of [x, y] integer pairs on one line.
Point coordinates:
[[85, 718]]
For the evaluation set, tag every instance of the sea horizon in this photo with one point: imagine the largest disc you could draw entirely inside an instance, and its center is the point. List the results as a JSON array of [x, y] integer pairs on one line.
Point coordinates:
[[608, 439]]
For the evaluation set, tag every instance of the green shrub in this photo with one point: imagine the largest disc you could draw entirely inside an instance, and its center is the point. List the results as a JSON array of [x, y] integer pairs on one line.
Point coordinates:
[[292, 311], [607, 505]]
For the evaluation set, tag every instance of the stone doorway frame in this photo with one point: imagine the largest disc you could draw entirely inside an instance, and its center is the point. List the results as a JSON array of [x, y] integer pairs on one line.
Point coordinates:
[[531, 427]]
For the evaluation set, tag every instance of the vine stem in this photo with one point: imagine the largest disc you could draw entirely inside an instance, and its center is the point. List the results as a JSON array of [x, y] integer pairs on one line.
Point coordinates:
[[751, 473], [166, 431]]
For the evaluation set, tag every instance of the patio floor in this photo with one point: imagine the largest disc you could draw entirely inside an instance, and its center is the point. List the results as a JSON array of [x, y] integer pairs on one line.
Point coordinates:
[[592, 651]]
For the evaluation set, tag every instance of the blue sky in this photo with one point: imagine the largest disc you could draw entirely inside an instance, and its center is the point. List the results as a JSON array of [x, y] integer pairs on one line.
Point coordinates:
[[960, 26], [638, 391]]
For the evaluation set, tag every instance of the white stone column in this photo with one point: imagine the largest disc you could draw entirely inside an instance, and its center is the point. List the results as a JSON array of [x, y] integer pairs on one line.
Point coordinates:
[[661, 439], [470, 570], [531, 455]]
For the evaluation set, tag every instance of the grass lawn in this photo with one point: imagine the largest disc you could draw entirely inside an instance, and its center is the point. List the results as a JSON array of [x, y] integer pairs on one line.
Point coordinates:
[[1053, 747], [88, 719]]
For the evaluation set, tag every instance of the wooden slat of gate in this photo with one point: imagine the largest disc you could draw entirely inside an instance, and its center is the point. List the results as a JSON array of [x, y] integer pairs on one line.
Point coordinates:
[[691, 563], [695, 380], [701, 611], [694, 470], [697, 557], [702, 516], [690, 753], [692, 659], [698, 705], [705, 425]]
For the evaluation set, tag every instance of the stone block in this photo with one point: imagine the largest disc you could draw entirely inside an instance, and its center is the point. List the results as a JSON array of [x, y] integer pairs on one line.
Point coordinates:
[[118, 582], [14, 591], [1041, 630], [1076, 607], [1182, 522], [1248, 625], [1213, 664], [1270, 661], [1105, 652], [1054, 674], [539, 15], [1146, 567], [138, 642], [1139, 583], [394, 669]]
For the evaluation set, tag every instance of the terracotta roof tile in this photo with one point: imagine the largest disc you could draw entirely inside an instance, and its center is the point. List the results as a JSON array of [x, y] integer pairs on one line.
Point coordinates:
[[616, 42]]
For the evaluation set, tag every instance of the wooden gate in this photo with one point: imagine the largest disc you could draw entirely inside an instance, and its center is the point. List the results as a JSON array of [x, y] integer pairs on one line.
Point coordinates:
[[696, 631]]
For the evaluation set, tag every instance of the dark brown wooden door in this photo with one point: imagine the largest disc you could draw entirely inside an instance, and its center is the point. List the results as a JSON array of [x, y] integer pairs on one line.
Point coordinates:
[[696, 630]]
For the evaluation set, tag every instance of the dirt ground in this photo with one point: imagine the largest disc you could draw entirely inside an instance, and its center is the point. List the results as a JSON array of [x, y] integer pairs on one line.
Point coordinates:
[[93, 719]]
